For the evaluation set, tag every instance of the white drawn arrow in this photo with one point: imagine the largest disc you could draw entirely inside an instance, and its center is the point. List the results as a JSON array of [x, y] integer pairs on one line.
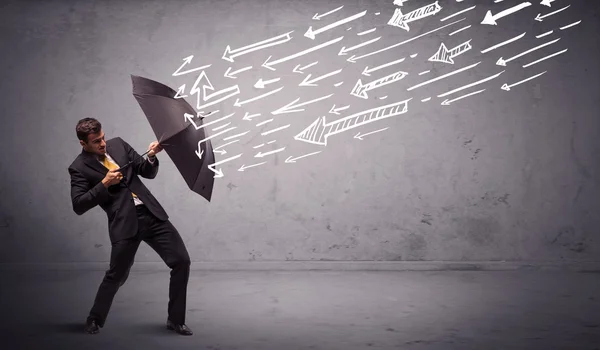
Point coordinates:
[[544, 58], [293, 160], [269, 65], [446, 56], [400, 20], [300, 70], [260, 84], [344, 50], [260, 154], [231, 75], [234, 90], [229, 54], [366, 71], [399, 2], [219, 173], [491, 19], [447, 102], [541, 18], [353, 58], [189, 117], [360, 137], [318, 132], [244, 167], [180, 91], [507, 87], [310, 33], [504, 43], [360, 89], [318, 17], [308, 82], [290, 107], [187, 60], [503, 62], [334, 110], [250, 116], [239, 103], [547, 3], [470, 85], [443, 76], [217, 149]]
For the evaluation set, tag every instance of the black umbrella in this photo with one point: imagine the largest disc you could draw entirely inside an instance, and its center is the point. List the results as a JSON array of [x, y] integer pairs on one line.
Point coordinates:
[[178, 137]]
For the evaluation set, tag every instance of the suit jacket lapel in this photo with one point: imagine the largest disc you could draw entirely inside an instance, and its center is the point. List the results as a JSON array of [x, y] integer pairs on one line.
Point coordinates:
[[92, 160]]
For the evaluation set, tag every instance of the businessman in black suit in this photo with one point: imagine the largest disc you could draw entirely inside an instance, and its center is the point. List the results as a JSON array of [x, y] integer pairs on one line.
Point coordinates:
[[133, 215]]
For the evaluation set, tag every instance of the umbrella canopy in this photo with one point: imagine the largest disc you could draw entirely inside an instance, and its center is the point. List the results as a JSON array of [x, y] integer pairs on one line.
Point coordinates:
[[178, 137]]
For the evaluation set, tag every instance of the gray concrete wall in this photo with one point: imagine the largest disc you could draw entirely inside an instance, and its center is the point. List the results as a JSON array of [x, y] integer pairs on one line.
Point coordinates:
[[499, 175]]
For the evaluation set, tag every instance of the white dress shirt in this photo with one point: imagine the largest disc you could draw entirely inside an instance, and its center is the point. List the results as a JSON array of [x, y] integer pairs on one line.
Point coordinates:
[[136, 200]]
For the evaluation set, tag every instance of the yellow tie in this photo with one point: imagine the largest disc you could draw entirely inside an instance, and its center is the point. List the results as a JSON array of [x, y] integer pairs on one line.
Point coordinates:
[[110, 165]]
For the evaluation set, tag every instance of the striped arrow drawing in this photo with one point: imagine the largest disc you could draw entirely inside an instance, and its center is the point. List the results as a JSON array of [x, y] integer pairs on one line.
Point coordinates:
[[318, 132], [446, 56], [360, 89], [400, 20], [310, 33]]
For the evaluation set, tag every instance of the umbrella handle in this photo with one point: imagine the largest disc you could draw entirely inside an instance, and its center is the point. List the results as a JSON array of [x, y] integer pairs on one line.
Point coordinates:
[[131, 161]]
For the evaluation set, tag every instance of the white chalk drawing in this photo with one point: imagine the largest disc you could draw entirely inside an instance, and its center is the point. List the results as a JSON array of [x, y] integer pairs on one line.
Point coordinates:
[[443, 76], [291, 159], [354, 58], [244, 167], [219, 172], [541, 18], [334, 110], [187, 61], [249, 117], [399, 2], [239, 103], [503, 43], [447, 102], [366, 31], [401, 21], [230, 54], [260, 84], [444, 55], [547, 3], [311, 34], [204, 96], [361, 136], [360, 89], [319, 131], [301, 70], [507, 87], [471, 85], [544, 58], [290, 107], [367, 71], [269, 64], [231, 75], [460, 30], [503, 62], [344, 51], [308, 82], [275, 130], [570, 25], [318, 17], [491, 19], [260, 154], [457, 13]]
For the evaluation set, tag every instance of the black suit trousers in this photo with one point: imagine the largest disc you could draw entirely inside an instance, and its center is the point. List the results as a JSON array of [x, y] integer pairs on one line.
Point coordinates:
[[164, 238]]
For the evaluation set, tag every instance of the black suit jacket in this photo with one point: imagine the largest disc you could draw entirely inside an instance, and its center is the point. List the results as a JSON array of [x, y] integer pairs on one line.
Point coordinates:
[[87, 190]]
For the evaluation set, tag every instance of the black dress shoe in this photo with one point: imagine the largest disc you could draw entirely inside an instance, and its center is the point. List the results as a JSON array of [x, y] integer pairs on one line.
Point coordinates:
[[91, 327], [179, 328]]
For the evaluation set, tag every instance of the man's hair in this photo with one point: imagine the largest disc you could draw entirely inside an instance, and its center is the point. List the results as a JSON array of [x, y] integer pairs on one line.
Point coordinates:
[[87, 126]]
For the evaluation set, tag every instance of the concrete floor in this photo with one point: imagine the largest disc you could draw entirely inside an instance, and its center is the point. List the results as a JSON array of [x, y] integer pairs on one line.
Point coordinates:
[[280, 310]]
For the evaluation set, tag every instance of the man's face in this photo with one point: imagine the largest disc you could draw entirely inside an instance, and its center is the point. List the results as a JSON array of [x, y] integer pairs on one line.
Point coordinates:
[[96, 143]]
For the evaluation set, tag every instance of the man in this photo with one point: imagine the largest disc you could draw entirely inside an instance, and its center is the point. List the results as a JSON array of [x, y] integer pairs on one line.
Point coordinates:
[[133, 215]]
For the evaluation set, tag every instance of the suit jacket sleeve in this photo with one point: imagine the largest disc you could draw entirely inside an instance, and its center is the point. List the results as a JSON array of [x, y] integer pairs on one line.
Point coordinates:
[[141, 166], [83, 196]]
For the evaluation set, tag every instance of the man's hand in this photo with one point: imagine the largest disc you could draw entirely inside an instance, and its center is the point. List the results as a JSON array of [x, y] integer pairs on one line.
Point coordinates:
[[154, 148]]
